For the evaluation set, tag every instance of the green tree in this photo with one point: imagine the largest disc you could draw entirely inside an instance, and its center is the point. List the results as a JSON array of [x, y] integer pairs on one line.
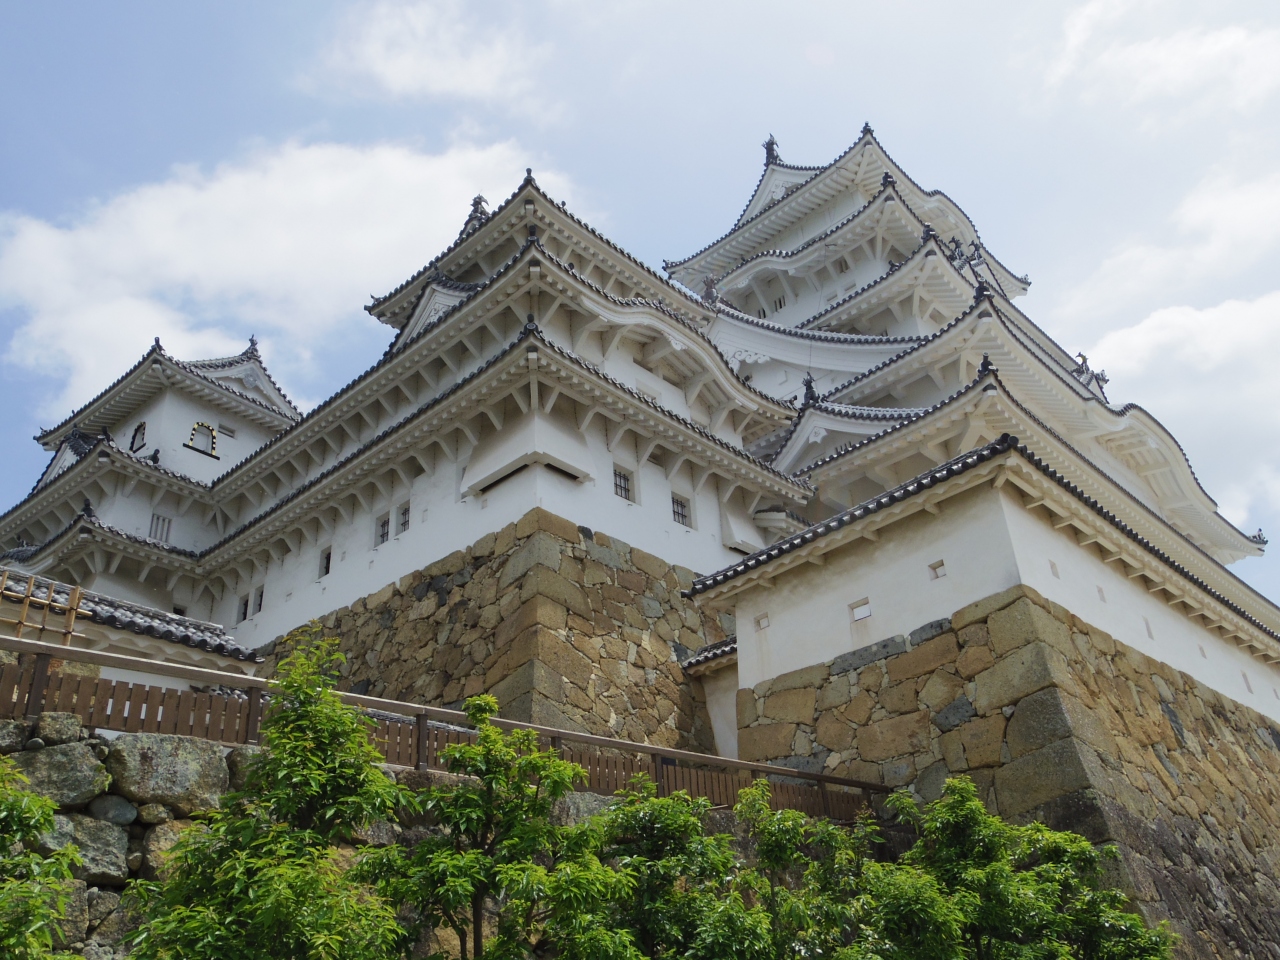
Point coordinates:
[[33, 888], [262, 878], [496, 871]]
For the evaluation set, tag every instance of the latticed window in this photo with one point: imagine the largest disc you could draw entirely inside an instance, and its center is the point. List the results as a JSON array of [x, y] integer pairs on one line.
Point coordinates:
[[680, 510], [622, 484], [404, 519], [160, 527], [384, 529]]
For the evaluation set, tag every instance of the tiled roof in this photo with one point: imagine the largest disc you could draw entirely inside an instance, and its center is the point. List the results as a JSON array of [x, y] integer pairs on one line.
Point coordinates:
[[819, 336], [850, 412], [143, 620], [711, 652]]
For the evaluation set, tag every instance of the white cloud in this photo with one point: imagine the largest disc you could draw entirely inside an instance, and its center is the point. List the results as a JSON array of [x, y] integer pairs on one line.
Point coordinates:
[[288, 243], [1211, 377], [1108, 54], [430, 48]]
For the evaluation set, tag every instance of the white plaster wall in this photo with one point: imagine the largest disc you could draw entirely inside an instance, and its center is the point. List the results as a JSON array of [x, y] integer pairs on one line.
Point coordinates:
[[1101, 594], [808, 609], [721, 688]]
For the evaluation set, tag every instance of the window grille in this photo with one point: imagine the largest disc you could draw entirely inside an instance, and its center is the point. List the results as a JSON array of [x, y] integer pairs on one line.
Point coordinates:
[[384, 529], [680, 510], [257, 599], [622, 483], [326, 562], [842, 265], [404, 519], [139, 439], [226, 431], [242, 611], [779, 303], [760, 313], [160, 528]]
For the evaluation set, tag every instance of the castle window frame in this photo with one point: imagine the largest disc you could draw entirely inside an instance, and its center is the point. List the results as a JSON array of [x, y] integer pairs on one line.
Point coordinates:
[[161, 527], [226, 430], [326, 562], [403, 517], [624, 484], [139, 438], [242, 609], [199, 433], [682, 510], [859, 610], [258, 596], [381, 530]]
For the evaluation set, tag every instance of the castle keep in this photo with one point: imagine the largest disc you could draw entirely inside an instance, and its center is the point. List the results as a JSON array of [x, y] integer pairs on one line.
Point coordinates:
[[822, 495]]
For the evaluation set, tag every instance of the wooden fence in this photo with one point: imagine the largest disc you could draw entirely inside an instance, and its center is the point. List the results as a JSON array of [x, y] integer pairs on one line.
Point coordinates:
[[406, 734]]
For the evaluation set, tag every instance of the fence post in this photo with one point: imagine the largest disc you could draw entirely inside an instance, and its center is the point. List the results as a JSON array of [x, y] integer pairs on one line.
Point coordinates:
[[255, 715], [423, 743], [657, 772], [826, 799], [39, 680]]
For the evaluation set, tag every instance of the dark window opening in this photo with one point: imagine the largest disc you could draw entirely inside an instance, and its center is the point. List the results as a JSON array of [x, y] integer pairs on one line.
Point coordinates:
[[622, 484], [680, 510], [139, 439]]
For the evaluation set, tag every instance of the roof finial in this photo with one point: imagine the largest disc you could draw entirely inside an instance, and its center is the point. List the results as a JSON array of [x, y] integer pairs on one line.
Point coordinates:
[[87, 509], [888, 180], [810, 391], [928, 234], [982, 291], [986, 366], [771, 154], [528, 174], [867, 131], [710, 294], [1259, 538], [157, 345]]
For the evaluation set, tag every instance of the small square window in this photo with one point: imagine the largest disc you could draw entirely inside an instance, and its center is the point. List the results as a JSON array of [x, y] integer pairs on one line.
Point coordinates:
[[622, 484], [382, 532], [226, 431], [859, 611], [326, 562], [160, 527], [680, 511], [779, 303], [762, 622], [937, 570], [257, 599], [242, 609], [404, 519]]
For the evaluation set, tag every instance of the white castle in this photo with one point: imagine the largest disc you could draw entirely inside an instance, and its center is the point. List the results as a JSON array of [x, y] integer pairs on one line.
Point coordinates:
[[837, 405]]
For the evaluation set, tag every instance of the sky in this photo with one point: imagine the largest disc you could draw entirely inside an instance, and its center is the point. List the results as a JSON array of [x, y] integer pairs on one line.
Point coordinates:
[[202, 172]]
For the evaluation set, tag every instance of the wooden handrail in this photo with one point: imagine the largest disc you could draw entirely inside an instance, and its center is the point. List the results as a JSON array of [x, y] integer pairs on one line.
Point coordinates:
[[418, 710]]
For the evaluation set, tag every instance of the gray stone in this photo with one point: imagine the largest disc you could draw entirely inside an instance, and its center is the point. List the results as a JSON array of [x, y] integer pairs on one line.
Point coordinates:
[[113, 809], [1050, 715], [154, 813], [69, 775], [931, 780], [1020, 674], [71, 926], [1048, 773], [114, 928], [575, 808], [650, 607], [541, 548], [97, 951], [608, 557], [103, 849], [63, 833], [180, 772], [156, 845], [379, 833], [859, 658], [953, 714], [933, 628], [13, 735], [56, 728], [812, 764], [35, 743], [238, 764], [101, 904]]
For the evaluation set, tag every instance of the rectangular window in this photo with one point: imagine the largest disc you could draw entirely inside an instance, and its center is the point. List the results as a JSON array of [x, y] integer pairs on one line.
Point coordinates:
[[762, 622], [257, 599], [859, 611], [382, 533], [622, 484], [680, 510], [842, 265], [937, 570], [326, 562], [160, 527], [760, 313], [226, 431], [779, 303], [404, 519], [242, 609]]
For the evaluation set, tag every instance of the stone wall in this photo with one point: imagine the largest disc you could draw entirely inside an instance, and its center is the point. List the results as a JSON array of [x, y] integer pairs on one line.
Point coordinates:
[[1057, 721], [565, 626]]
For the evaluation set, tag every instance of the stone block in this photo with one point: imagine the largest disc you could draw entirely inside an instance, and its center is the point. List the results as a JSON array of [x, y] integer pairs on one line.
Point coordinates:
[[894, 737], [69, 775], [833, 733], [537, 610], [113, 809], [238, 761], [181, 772], [858, 709], [931, 780], [72, 926], [953, 714], [542, 581], [900, 697], [1050, 715], [941, 689], [1019, 674], [930, 630], [898, 773], [13, 735], [813, 676], [768, 741], [101, 904], [153, 813], [973, 660], [834, 693], [953, 751], [1046, 774], [57, 728], [857, 659], [982, 740], [974, 634], [533, 676], [156, 845], [104, 849], [795, 705], [925, 658], [982, 609], [1023, 622], [648, 564], [606, 555], [548, 522], [540, 549], [746, 708]]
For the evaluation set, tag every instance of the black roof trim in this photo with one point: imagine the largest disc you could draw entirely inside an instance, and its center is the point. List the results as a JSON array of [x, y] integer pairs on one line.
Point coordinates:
[[821, 336], [711, 652]]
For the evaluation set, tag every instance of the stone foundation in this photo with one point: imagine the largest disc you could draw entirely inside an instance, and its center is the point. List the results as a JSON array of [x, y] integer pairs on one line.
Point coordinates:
[[565, 626], [1057, 721]]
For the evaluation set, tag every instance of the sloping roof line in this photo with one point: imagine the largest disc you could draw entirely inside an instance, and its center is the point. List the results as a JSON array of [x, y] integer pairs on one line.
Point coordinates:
[[848, 411], [821, 336], [953, 468], [712, 651]]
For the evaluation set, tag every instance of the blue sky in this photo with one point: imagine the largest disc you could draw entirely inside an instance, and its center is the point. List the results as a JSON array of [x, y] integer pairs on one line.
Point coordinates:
[[201, 172]]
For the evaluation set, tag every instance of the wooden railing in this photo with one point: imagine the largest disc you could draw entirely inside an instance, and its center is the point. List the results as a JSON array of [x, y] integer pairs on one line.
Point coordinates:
[[407, 734], [31, 605]]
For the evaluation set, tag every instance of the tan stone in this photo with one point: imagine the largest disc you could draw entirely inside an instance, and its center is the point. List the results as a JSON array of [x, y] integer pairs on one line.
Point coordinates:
[[871, 677], [894, 737], [1050, 715], [833, 733], [974, 634], [834, 693], [982, 609], [768, 741], [925, 658], [536, 610], [858, 709], [746, 708], [973, 660], [899, 697], [541, 581], [1024, 622], [1022, 672], [1048, 773], [940, 690], [953, 751], [445, 566], [794, 705], [982, 739]]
